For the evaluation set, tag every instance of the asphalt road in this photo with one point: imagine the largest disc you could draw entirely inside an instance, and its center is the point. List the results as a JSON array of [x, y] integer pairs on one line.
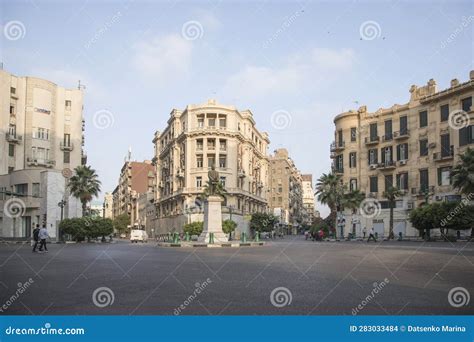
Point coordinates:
[[329, 278]]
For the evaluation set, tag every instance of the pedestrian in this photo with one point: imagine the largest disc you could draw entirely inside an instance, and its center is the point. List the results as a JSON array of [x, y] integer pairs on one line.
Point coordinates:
[[43, 235], [364, 231], [36, 237], [321, 235], [372, 235]]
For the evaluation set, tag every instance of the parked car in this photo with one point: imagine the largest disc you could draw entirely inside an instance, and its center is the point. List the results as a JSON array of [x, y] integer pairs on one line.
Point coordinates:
[[138, 235]]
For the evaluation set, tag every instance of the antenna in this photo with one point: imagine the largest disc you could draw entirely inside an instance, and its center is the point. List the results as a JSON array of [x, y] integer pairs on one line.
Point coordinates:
[[80, 86]]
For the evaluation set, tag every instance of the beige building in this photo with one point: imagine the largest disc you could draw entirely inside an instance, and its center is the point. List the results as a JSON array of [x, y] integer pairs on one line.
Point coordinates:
[[411, 146], [41, 128], [135, 178], [308, 199], [108, 206], [286, 193], [197, 138]]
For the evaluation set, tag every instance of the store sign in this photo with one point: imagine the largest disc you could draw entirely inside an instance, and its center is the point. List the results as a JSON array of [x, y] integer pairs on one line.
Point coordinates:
[[41, 110]]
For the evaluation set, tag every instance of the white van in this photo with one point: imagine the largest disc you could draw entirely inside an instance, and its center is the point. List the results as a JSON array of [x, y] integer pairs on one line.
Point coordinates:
[[138, 235]]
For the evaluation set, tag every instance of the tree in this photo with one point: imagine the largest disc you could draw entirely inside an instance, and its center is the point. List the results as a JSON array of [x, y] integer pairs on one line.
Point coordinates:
[[462, 174], [76, 227], [228, 226], [391, 195], [121, 223], [103, 227], [194, 228], [84, 185], [263, 222], [329, 190], [315, 228]]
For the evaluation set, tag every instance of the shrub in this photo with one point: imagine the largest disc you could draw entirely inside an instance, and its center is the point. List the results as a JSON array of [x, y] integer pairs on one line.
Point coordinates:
[[228, 226], [194, 228]]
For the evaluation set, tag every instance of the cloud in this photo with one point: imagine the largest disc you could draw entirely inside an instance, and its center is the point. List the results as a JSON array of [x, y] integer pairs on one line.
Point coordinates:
[[164, 58], [299, 70]]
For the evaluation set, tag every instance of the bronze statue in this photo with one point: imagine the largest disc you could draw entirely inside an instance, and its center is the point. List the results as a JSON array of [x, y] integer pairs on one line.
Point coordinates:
[[213, 180]]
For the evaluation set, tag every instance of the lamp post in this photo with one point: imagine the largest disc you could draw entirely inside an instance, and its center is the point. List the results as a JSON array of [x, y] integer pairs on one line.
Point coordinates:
[[62, 204], [230, 207]]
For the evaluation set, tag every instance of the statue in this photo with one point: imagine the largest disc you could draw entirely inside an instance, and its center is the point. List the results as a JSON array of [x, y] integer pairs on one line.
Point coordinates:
[[213, 180]]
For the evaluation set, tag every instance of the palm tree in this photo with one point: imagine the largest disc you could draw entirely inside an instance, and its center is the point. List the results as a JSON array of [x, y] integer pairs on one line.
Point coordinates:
[[391, 195], [84, 185], [352, 200], [462, 174], [330, 191]]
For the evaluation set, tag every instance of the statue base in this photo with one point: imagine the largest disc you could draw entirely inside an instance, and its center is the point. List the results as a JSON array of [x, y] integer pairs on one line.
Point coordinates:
[[213, 221]]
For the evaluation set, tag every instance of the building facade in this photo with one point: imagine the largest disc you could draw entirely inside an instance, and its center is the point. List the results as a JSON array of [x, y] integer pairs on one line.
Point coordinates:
[[41, 127], [286, 192], [308, 199], [411, 146], [108, 206], [196, 139], [135, 178]]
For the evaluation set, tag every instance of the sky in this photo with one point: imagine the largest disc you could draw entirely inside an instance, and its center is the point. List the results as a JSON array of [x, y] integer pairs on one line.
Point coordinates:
[[294, 64]]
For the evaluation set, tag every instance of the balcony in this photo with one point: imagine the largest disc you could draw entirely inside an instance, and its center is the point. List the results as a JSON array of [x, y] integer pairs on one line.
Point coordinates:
[[387, 137], [388, 165], [40, 162], [400, 135], [423, 191], [338, 170], [14, 138], [446, 155], [372, 140], [66, 146], [337, 147]]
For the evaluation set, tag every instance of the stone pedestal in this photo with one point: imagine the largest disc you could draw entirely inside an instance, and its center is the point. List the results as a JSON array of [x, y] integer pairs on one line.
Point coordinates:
[[213, 220]]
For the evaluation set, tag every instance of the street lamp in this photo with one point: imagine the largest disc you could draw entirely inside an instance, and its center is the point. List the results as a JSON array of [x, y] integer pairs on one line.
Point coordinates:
[[62, 204]]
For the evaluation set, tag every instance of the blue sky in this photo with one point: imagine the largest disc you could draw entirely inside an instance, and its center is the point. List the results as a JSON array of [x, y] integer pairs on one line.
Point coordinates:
[[307, 60]]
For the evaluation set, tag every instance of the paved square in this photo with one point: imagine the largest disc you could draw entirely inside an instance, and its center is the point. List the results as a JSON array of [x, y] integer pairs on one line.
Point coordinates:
[[290, 277]]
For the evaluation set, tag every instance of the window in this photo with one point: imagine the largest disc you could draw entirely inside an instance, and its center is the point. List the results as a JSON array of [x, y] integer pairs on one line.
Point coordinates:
[[444, 175], [11, 150], [223, 145], [353, 134], [466, 104], [12, 90], [388, 182], [222, 180], [222, 161], [423, 147], [352, 159], [35, 190], [211, 144], [211, 160], [373, 156], [11, 169], [340, 139], [68, 105], [444, 111], [198, 182], [212, 122], [67, 157], [12, 110], [199, 162], [466, 135], [423, 118], [222, 122], [424, 180], [21, 189], [373, 183], [340, 163], [445, 145], [199, 144], [402, 181], [41, 133], [402, 152], [67, 139], [373, 132], [403, 125], [183, 125], [200, 122], [353, 184], [388, 130], [387, 153]]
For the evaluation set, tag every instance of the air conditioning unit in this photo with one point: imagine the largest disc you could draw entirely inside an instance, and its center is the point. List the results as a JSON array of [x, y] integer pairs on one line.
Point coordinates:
[[402, 162], [438, 198], [432, 145], [410, 205], [372, 166]]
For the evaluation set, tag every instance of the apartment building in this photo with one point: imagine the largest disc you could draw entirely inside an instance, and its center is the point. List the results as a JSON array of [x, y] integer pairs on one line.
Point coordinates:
[[286, 192], [135, 178], [197, 138], [412, 146], [41, 128], [308, 199], [108, 205]]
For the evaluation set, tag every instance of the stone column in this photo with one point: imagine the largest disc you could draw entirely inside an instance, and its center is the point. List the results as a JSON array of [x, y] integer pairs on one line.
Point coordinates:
[[213, 220]]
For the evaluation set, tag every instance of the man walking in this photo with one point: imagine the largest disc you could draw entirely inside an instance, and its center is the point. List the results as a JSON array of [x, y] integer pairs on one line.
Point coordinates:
[[43, 235], [36, 237], [371, 235], [364, 231]]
